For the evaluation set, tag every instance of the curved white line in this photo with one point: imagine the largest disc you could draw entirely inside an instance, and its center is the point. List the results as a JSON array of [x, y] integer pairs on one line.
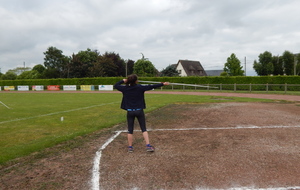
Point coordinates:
[[96, 168]]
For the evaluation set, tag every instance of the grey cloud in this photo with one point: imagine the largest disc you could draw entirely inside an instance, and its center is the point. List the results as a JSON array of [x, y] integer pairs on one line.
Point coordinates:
[[165, 31]]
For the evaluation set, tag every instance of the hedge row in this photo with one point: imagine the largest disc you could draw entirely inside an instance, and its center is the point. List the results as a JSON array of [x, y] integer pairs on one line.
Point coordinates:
[[186, 80]]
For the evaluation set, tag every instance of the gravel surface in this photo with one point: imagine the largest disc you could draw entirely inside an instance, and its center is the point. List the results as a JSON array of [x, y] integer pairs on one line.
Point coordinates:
[[198, 146]]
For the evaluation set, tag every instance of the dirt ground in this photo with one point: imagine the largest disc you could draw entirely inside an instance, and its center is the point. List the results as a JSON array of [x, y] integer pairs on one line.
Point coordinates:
[[198, 146]]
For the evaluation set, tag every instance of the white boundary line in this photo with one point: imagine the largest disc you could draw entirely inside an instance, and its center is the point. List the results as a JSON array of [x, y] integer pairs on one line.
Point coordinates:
[[96, 167], [4, 105], [96, 164], [250, 188], [54, 113], [226, 128]]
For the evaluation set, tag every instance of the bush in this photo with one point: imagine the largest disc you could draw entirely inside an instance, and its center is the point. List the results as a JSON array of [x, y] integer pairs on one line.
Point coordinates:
[[227, 82]]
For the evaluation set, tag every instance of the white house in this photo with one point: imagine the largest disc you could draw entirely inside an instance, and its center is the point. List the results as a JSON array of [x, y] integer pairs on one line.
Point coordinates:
[[190, 68]]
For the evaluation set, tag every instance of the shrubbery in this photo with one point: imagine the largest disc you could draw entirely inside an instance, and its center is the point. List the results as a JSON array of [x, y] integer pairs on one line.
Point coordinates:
[[186, 80]]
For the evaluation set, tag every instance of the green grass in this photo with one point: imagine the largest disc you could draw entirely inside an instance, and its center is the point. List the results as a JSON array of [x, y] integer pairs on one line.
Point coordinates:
[[33, 121]]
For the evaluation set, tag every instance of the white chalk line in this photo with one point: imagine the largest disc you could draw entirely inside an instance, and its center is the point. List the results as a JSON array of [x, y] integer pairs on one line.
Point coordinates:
[[4, 105], [96, 167], [55, 113], [225, 128], [95, 181], [219, 128], [249, 188]]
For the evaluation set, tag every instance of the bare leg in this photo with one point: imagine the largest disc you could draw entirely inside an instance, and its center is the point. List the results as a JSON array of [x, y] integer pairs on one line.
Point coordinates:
[[130, 139], [146, 137]]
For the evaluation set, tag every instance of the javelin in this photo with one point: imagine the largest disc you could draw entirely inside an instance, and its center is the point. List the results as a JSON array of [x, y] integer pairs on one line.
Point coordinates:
[[181, 84]]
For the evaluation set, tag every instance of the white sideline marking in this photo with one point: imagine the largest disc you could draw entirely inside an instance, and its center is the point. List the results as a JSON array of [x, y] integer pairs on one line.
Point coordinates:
[[96, 167], [251, 188], [4, 105], [219, 128], [226, 128], [54, 113]]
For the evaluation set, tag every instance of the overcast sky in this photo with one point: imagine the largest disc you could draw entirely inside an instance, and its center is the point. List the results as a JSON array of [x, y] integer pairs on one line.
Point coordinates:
[[165, 31]]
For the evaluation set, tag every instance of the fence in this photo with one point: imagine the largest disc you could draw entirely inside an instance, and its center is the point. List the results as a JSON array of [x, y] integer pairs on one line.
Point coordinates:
[[57, 88], [240, 87], [210, 87]]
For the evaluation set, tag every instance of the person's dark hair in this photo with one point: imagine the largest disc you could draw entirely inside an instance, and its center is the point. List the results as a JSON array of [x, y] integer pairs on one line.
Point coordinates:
[[131, 80]]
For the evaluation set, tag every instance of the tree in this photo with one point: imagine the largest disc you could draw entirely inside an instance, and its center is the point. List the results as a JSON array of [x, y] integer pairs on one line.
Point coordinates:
[[258, 68], [297, 64], [19, 70], [39, 68], [33, 74], [118, 62], [51, 73], [144, 68], [233, 66], [74, 68], [13, 74], [9, 75], [80, 63], [288, 62], [270, 68], [55, 62], [263, 66], [224, 74], [170, 71], [277, 65], [109, 68], [129, 64], [97, 70]]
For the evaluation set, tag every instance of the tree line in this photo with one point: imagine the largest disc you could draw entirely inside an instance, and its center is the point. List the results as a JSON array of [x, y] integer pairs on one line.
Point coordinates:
[[267, 64], [88, 63], [286, 64]]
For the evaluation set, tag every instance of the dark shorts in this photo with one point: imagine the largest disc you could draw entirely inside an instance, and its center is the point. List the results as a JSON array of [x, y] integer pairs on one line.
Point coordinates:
[[140, 115]]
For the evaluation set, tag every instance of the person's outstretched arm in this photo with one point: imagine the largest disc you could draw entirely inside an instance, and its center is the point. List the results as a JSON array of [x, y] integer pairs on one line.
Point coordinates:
[[151, 86]]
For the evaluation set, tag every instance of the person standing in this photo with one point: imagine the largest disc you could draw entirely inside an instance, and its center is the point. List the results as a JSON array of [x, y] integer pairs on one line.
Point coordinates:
[[133, 102]]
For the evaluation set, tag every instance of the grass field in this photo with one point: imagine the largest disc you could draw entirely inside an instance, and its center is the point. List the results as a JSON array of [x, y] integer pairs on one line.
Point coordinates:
[[31, 122]]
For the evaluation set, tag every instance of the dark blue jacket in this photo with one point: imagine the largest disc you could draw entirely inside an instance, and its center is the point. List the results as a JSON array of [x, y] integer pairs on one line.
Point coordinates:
[[133, 96]]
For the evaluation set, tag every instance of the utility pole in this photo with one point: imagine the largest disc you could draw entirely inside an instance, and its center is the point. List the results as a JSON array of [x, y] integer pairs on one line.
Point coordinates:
[[24, 66], [245, 66], [295, 63]]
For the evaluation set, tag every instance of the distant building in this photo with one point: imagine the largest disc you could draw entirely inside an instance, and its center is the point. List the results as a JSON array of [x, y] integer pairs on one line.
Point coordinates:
[[190, 68], [214, 72]]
